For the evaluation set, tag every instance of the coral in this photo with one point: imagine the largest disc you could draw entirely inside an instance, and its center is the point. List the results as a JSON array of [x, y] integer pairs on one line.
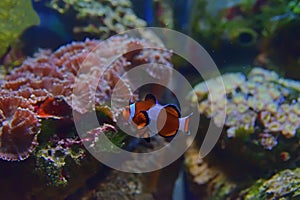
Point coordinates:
[[262, 110], [119, 185], [283, 185], [48, 86], [93, 139], [207, 180], [52, 159], [101, 17], [15, 17], [56, 72], [263, 97], [217, 178], [19, 127]]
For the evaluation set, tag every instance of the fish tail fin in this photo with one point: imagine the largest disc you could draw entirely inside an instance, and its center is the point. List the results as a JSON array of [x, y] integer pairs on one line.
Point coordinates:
[[184, 124]]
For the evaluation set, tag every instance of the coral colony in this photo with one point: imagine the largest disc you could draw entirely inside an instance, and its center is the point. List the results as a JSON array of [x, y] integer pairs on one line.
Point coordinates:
[[100, 17], [261, 133], [40, 90], [263, 97]]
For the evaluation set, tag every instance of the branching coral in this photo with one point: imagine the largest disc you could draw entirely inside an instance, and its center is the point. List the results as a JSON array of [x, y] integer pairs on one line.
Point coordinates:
[[15, 17], [101, 17]]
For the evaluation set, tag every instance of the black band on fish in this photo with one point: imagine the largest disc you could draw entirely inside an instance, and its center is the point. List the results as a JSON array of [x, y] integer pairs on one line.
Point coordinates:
[[141, 119], [146, 117], [172, 109], [150, 97]]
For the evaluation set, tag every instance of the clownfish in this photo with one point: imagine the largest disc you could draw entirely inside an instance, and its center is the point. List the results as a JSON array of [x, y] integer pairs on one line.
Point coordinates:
[[163, 120]]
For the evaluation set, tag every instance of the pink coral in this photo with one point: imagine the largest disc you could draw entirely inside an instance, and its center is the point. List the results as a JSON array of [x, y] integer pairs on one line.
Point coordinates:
[[56, 72], [44, 85], [18, 128]]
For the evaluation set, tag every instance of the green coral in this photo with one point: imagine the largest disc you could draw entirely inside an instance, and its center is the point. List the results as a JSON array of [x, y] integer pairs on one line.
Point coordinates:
[[283, 185], [15, 17], [100, 17]]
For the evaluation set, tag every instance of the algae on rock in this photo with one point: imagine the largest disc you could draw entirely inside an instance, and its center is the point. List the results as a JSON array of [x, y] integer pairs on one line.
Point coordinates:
[[15, 17], [283, 185]]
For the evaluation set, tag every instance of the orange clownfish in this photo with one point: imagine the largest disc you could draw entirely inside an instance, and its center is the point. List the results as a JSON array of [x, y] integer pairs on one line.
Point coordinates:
[[165, 120]]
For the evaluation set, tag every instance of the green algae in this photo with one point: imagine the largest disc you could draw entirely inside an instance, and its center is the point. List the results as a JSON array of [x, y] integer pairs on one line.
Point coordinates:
[[242, 22], [15, 17], [283, 185]]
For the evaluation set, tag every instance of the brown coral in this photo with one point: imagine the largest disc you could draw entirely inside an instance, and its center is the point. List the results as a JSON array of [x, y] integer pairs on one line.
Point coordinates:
[[18, 128]]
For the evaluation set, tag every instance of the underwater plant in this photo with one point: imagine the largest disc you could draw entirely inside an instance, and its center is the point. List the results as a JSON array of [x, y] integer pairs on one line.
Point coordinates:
[[243, 22], [15, 17], [262, 115], [101, 17]]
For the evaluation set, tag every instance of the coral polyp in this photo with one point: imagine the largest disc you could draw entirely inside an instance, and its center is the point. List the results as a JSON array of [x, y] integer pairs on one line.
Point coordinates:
[[261, 115], [261, 97]]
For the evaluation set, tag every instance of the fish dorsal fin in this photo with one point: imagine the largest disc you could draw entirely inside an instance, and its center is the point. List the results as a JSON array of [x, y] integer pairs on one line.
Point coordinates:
[[141, 119], [131, 101], [150, 98], [173, 110]]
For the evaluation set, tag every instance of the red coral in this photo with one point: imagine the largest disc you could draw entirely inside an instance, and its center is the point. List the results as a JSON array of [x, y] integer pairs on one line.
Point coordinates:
[[53, 108], [18, 128]]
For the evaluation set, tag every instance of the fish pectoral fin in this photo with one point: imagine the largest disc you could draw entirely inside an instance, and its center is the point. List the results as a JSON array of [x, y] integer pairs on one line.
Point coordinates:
[[150, 98], [142, 119], [173, 110]]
